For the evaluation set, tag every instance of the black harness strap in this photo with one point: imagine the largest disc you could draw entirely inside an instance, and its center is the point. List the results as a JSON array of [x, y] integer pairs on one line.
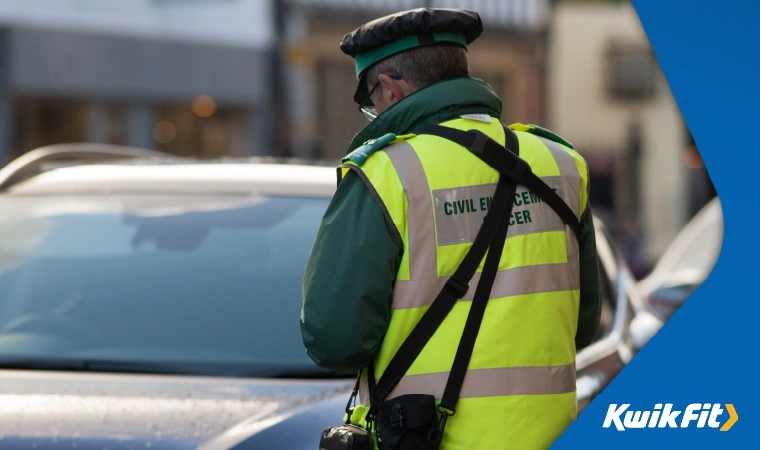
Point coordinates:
[[490, 232], [508, 164], [477, 310], [454, 289], [490, 238]]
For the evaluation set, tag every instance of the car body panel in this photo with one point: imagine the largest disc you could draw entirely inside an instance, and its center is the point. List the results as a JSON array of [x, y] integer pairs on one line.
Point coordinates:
[[601, 361], [183, 177], [56, 409]]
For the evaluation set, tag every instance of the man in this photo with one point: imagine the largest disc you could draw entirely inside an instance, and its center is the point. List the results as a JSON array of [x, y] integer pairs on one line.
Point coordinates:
[[405, 213]]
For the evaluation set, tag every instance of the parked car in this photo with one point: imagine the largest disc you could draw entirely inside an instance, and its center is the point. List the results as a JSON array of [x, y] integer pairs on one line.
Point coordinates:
[[622, 306], [686, 262], [148, 301]]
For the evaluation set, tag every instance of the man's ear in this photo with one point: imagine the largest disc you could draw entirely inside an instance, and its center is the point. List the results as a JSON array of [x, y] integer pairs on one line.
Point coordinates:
[[394, 88]]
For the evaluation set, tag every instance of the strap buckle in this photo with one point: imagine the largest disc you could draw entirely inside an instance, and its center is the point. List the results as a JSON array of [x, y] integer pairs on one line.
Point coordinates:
[[436, 434], [456, 287], [372, 428], [352, 399], [350, 407]]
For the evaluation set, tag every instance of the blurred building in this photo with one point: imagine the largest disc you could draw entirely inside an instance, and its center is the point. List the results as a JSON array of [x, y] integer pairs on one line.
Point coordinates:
[[222, 77], [184, 76], [321, 81], [607, 95], [239, 77]]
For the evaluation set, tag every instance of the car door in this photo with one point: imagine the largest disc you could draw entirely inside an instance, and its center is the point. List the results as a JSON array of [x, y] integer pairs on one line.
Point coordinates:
[[601, 361]]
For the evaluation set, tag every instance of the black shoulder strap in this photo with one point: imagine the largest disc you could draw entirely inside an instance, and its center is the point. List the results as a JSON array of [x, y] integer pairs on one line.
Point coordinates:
[[513, 170], [454, 289], [477, 311], [494, 226], [508, 164]]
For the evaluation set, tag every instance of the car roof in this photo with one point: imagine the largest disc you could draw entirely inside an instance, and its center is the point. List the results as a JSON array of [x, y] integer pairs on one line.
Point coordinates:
[[179, 176]]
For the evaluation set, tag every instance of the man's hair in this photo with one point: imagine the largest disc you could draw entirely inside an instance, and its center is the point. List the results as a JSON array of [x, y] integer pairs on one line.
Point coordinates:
[[423, 65]]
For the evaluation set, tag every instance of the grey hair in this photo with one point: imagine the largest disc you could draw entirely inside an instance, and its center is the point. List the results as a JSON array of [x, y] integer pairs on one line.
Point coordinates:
[[421, 66]]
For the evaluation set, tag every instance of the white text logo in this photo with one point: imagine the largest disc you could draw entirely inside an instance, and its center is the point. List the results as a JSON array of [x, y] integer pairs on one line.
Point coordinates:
[[698, 415]]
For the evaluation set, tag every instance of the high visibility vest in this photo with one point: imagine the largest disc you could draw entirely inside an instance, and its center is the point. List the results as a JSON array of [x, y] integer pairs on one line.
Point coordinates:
[[519, 390]]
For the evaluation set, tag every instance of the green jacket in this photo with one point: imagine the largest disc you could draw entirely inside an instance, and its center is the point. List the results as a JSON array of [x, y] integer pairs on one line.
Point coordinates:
[[348, 284]]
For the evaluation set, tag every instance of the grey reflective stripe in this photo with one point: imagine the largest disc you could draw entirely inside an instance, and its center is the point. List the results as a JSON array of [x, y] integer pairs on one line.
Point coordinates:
[[422, 244], [571, 180], [492, 382], [571, 177], [363, 392], [508, 282]]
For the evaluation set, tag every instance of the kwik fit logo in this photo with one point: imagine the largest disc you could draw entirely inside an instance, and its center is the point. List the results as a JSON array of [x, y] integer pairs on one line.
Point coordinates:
[[695, 415]]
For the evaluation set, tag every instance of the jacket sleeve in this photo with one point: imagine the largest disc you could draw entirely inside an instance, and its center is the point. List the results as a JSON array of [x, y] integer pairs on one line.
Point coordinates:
[[590, 306], [348, 284]]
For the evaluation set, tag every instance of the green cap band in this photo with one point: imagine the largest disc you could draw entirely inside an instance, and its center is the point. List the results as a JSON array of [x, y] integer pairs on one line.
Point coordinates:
[[364, 60]]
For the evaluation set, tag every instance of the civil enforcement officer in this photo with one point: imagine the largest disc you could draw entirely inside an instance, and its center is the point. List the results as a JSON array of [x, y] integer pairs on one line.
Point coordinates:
[[405, 213]]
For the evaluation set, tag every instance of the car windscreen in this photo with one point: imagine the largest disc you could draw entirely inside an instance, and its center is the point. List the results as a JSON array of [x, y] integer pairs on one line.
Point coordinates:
[[192, 280]]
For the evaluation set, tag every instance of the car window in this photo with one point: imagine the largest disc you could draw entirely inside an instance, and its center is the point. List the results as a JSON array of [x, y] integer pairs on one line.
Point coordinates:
[[197, 279]]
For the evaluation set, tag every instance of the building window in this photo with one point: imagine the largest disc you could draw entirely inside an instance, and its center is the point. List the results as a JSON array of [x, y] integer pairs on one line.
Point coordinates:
[[40, 122], [631, 71], [200, 130]]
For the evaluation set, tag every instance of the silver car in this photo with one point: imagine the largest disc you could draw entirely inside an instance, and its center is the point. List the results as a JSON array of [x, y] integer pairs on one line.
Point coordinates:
[[686, 263], [148, 301]]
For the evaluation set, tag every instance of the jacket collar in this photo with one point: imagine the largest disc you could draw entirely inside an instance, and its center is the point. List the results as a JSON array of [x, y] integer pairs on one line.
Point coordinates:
[[434, 103]]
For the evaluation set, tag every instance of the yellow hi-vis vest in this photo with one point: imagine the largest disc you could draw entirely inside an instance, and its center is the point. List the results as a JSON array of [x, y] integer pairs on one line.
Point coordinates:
[[519, 390]]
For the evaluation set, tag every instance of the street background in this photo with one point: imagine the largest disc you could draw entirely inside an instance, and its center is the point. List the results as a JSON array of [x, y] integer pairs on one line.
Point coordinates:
[[236, 78]]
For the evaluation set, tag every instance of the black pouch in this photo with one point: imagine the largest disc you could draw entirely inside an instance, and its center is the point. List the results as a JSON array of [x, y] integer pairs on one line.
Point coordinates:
[[346, 437], [409, 422]]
